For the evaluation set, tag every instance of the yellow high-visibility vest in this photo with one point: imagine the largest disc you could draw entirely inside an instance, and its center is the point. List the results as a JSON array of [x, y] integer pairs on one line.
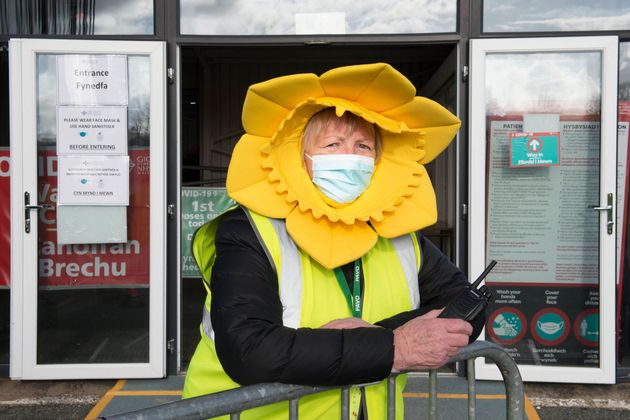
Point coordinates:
[[311, 297]]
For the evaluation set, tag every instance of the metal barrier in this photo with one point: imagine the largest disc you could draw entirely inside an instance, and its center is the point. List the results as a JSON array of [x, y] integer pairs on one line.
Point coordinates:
[[235, 401]]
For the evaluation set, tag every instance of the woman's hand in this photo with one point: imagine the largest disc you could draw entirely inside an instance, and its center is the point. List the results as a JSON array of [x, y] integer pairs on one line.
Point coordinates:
[[347, 323], [428, 342]]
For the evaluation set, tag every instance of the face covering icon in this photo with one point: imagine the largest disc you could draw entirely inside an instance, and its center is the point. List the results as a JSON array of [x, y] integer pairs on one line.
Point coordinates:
[[342, 178], [550, 327]]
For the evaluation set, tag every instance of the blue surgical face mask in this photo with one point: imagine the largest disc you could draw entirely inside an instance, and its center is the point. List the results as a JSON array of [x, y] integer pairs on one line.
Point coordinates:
[[342, 178]]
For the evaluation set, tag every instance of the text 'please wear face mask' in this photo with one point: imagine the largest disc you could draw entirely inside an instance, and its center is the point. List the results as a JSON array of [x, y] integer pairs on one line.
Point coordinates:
[[342, 177]]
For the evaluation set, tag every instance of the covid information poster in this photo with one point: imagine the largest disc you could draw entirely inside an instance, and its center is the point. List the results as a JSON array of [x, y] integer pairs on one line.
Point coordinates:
[[199, 205], [544, 233]]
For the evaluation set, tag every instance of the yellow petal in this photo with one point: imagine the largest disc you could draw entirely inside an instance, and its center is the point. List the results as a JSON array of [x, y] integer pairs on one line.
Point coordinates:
[[246, 164], [247, 181], [422, 112], [330, 244], [263, 198], [261, 116], [437, 139], [268, 103], [438, 124], [414, 212], [375, 86], [288, 91]]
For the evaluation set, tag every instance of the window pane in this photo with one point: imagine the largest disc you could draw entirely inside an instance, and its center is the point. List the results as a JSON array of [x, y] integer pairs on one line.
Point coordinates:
[[67, 17], [559, 15], [284, 17], [93, 298], [543, 145]]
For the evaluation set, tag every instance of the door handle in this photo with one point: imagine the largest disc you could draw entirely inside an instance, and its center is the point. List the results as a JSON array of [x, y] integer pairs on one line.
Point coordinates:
[[27, 210], [609, 213]]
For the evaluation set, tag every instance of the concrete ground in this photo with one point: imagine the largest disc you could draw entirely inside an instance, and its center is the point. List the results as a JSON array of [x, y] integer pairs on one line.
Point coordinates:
[[75, 399]]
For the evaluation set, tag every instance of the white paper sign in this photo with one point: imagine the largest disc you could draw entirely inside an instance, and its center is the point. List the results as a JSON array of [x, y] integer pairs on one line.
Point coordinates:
[[320, 23], [97, 130], [93, 180], [92, 80]]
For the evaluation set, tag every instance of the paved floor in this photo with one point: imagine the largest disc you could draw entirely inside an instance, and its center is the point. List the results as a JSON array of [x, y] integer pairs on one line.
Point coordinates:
[[126, 396], [81, 399]]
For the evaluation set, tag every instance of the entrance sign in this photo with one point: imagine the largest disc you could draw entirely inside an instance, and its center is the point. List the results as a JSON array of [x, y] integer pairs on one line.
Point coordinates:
[[92, 130], [534, 149], [92, 79], [94, 180], [542, 172]]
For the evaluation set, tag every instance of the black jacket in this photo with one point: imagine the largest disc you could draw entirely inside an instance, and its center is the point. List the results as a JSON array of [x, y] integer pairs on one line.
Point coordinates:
[[253, 345]]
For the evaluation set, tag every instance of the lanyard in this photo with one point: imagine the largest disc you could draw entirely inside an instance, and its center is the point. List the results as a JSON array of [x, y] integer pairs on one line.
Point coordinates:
[[354, 298]]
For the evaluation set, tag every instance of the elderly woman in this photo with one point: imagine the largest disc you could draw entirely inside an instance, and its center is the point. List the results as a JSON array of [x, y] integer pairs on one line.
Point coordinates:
[[321, 277]]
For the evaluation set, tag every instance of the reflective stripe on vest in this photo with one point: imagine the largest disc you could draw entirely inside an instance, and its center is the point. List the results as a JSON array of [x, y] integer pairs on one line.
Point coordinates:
[[406, 250], [289, 276], [206, 323]]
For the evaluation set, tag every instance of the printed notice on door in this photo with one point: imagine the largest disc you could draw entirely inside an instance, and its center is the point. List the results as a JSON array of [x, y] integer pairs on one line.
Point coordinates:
[[541, 227], [91, 180], [92, 130], [92, 79]]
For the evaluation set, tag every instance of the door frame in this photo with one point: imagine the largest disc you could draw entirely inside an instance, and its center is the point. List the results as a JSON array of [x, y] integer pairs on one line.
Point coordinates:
[[24, 258], [608, 46]]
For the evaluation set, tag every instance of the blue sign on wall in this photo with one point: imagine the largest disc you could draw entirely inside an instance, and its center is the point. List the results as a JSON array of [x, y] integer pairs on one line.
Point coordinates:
[[534, 149]]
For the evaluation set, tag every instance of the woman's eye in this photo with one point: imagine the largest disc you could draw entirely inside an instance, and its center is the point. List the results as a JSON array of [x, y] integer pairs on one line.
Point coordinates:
[[365, 147]]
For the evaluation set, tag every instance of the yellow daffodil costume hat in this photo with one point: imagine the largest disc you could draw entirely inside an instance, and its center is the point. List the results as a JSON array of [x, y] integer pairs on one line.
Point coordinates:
[[266, 173]]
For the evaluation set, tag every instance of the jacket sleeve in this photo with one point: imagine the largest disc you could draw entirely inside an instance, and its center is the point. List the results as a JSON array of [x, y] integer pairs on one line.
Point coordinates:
[[440, 281], [251, 342]]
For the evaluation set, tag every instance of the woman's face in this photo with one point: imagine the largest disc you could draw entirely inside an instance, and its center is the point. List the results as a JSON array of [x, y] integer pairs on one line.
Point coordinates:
[[337, 139]]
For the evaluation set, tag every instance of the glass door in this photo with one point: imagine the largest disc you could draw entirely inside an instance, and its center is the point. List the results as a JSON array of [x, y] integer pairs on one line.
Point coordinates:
[[542, 202], [88, 209]]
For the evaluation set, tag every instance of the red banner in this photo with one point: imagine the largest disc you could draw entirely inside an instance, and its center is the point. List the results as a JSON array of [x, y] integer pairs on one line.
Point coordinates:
[[5, 218], [80, 265], [113, 265]]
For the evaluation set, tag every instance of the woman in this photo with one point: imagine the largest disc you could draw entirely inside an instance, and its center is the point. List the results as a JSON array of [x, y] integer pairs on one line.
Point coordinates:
[[320, 277]]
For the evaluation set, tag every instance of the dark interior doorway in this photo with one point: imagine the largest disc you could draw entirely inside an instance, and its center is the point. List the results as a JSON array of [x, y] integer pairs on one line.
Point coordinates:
[[214, 83]]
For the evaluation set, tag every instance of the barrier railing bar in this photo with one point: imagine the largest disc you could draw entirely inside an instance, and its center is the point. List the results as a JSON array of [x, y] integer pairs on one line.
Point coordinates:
[[293, 409], [345, 403], [514, 389], [247, 397], [432, 394], [472, 393], [391, 396]]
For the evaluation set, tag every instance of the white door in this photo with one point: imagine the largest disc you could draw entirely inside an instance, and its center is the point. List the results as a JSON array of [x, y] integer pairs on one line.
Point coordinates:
[[88, 210], [543, 139]]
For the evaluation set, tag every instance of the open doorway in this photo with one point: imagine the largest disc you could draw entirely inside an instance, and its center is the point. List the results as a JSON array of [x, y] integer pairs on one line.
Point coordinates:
[[214, 82]]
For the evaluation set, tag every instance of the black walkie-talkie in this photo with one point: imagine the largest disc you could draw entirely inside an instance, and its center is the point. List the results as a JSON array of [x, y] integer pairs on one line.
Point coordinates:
[[469, 303]]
